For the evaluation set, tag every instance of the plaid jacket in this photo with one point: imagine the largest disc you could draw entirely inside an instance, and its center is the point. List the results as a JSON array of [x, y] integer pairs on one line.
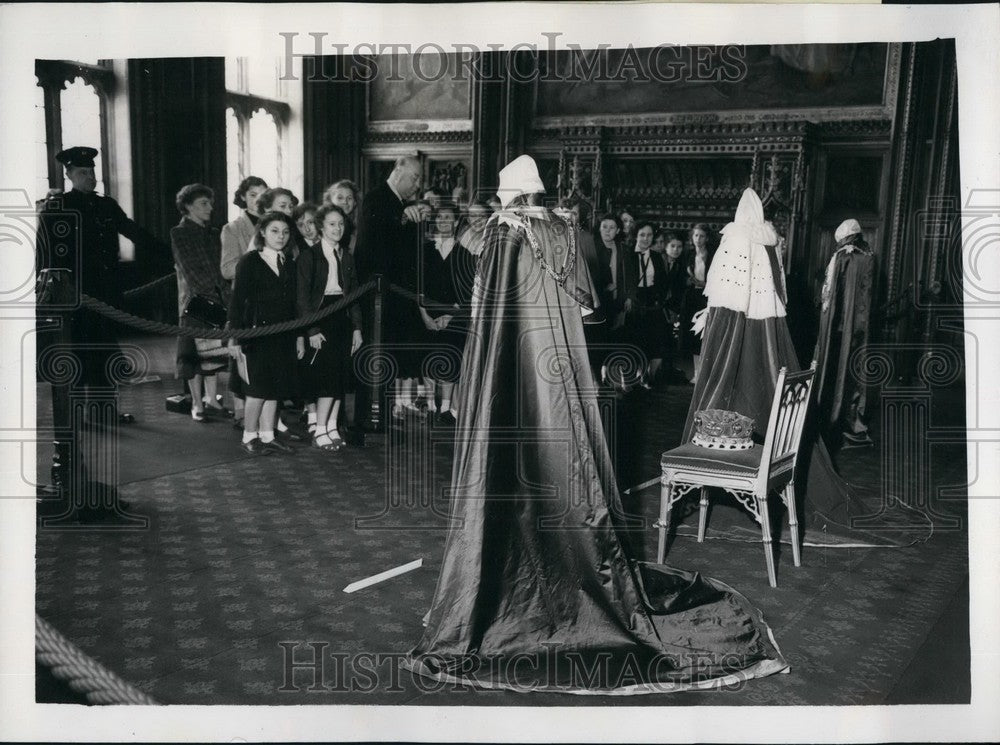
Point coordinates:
[[197, 251]]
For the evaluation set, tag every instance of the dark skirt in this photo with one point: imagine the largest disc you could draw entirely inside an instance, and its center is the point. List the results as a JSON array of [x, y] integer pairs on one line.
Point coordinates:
[[442, 357], [403, 333], [326, 373], [199, 356], [236, 385], [272, 367], [647, 325]]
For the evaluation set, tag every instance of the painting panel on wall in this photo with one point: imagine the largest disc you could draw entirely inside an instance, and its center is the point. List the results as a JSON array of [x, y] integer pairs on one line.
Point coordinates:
[[671, 80], [426, 86]]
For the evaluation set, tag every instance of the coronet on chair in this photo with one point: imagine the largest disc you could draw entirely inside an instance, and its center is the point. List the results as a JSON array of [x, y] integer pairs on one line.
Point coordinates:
[[749, 475]]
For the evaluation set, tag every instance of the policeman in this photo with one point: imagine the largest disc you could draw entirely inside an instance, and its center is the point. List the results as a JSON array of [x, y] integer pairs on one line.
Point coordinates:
[[78, 252]]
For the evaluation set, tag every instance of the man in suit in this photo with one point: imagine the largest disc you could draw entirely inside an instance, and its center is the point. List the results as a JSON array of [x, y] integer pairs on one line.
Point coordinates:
[[384, 215], [387, 238], [78, 253]]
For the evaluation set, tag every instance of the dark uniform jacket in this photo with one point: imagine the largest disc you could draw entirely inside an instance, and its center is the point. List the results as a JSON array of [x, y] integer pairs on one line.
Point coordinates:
[[388, 246], [80, 232], [313, 270], [380, 232], [260, 297], [633, 274]]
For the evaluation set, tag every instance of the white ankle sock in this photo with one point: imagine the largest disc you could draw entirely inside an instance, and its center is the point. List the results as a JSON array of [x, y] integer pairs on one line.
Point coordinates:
[[311, 417], [267, 435], [249, 437], [405, 395], [282, 427], [445, 404]]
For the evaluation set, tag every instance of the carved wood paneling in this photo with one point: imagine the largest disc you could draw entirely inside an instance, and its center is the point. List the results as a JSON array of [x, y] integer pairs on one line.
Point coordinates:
[[417, 138]]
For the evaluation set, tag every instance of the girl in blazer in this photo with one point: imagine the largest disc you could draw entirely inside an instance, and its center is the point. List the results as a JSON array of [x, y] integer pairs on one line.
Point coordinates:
[[264, 294], [325, 273], [646, 287]]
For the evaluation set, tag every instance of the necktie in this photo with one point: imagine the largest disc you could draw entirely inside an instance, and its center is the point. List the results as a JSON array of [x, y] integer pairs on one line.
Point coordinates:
[[340, 270], [281, 265]]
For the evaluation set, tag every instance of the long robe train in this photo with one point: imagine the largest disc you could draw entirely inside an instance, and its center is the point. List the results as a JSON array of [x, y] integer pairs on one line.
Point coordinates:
[[536, 591]]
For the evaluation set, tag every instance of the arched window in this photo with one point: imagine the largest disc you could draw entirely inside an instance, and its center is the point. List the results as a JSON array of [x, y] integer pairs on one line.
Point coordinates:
[[41, 146], [76, 104], [257, 117], [80, 110], [73, 105]]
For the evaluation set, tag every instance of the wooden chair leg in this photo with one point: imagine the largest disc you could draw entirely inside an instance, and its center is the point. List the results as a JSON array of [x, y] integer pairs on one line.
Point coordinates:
[[702, 514], [661, 546], [765, 528], [793, 523]]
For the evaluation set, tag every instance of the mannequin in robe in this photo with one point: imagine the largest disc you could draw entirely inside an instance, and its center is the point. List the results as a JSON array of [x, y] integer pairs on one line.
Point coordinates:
[[536, 585], [746, 342], [843, 330]]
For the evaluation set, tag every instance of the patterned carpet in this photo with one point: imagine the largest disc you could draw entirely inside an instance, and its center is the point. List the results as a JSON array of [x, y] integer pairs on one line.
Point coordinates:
[[246, 559]]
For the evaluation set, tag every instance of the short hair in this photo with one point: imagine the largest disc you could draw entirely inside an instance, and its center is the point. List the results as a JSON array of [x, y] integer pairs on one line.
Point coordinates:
[[449, 207], [613, 218], [239, 196], [572, 201], [586, 209], [268, 197], [344, 183], [267, 219], [191, 192], [702, 227], [302, 210], [640, 224], [325, 209], [669, 235]]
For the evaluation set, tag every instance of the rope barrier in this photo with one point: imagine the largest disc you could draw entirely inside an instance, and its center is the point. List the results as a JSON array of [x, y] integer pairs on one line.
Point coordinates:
[[167, 329], [150, 285], [83, 674], [408, 294]]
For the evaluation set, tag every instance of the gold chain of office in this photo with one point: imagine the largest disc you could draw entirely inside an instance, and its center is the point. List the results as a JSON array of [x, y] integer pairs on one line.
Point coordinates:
[[560, 277]]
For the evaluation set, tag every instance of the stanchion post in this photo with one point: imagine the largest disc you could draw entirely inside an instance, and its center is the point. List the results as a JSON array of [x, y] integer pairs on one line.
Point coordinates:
[[376, 386]]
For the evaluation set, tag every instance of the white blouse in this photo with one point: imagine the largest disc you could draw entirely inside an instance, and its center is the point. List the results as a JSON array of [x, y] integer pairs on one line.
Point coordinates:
[[647, 278], [333, 276], [270, 257]]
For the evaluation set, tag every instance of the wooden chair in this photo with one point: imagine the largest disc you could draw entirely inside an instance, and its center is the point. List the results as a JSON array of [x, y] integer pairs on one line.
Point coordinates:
[[749, 475]]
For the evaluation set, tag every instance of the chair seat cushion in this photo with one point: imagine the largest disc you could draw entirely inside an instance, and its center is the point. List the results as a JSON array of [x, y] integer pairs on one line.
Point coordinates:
[[728, 462]]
